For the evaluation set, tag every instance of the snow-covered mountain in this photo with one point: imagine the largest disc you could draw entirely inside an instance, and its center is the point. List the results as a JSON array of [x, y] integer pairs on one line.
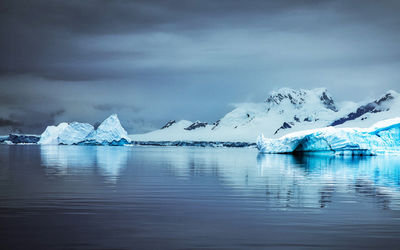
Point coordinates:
[[110, 132], [283, 111], [366, 114]]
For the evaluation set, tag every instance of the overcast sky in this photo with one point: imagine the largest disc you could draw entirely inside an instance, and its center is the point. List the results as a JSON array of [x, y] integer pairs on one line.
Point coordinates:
[[152, 61]]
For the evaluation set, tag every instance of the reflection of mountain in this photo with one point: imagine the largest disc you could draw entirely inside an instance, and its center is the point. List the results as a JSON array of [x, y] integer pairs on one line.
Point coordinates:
[[65, 160]]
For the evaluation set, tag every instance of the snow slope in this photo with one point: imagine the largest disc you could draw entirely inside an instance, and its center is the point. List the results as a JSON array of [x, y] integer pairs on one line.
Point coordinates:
[[381, 138], [283, 111]]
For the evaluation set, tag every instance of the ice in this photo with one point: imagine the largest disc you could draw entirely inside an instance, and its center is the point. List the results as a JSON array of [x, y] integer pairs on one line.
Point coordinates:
[[381, 138], [51, 134], [110, 132], [65, 133], [74, 133]]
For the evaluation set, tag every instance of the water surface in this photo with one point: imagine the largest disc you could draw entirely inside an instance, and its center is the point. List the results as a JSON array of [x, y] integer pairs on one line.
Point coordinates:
[[83, 197]]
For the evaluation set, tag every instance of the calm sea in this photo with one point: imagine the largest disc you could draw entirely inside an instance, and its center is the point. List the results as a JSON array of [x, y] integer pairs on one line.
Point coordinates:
[[83, 197]]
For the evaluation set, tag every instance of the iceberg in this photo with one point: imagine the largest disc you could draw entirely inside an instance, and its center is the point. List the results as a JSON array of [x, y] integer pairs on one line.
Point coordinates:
[[74, 133], [110, 132], [51, 134], [65, 133], [381, 138]]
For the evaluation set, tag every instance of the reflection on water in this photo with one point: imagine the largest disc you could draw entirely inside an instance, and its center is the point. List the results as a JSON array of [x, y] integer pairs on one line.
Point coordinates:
[[311, 181], [83, 197], [286, 181], [63, 160]]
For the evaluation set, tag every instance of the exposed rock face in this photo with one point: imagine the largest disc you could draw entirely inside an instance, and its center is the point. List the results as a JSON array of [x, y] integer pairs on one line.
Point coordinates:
[[379, 105], [168, 124], [215, 124], [285, 125], [297, 98], [196, 124], [327, 100]]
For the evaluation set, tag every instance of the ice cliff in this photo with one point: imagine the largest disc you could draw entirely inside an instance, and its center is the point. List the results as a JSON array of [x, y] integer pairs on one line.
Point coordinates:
[[381, 138]]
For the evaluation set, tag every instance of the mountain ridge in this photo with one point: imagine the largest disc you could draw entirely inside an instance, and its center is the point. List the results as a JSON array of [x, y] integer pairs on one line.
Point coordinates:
[[284, 110]]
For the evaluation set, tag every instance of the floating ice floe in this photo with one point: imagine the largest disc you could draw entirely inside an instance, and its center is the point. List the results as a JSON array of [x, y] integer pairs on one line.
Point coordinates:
[[382, 138]]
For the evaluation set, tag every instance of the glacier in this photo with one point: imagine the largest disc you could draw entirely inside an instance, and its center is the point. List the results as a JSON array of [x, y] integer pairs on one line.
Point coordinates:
[[381, 138], [110, 132]]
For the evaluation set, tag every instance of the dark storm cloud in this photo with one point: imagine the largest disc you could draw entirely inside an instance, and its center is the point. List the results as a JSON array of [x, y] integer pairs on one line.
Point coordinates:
[[152, 61], [8, 122], [114, 107], [55, 39]]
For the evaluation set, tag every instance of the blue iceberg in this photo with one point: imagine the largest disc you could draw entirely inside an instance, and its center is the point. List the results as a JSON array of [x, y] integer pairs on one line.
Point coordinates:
[[382, 138]]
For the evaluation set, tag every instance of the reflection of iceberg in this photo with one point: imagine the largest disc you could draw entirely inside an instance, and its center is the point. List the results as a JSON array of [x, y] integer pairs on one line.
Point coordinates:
[[311, 181], [62, 160], [111, 160], [290, 181], [67, 160]]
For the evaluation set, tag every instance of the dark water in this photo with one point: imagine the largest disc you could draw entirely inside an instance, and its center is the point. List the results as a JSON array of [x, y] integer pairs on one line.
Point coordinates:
[[77, 197]]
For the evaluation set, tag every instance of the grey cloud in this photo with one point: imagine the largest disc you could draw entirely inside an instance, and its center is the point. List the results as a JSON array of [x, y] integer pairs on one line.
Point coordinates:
[[45, 38], [114, 107], [7, 122], [152, 61]]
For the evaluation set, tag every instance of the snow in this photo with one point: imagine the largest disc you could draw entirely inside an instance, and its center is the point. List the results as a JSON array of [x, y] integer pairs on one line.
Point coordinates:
[[284, 111], [110, 132], [390, 109], [381, 138]]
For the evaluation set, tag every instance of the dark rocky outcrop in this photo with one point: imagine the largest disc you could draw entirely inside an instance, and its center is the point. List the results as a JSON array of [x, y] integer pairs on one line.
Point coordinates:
[[328, 101], [169, 124], [285, 125], [196, 124], [215, 124], [372, 107]]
